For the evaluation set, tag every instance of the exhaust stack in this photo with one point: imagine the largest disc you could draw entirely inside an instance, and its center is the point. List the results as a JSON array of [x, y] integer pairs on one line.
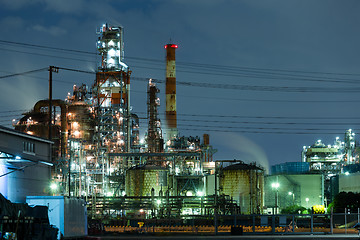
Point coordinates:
[[170, 114]]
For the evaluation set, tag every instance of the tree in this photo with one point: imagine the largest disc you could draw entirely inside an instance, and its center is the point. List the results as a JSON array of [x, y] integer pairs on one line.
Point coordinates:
[[348, 200], [293, 210]]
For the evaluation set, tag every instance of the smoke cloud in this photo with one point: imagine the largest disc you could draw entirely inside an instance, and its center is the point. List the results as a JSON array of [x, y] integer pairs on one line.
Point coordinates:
[[244, 149]]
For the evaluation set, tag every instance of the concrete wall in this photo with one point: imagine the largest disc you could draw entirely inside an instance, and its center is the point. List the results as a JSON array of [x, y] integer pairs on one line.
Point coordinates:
[[349, 183]]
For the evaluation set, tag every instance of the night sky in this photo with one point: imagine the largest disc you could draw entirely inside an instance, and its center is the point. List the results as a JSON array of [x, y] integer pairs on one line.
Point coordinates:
[[263, 78]]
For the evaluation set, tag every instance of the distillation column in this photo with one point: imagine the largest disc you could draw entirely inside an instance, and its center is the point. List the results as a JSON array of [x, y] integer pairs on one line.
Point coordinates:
[[112, 102]]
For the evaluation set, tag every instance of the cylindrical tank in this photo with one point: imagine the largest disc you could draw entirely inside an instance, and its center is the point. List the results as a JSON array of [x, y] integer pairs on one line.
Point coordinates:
[[245, 184], [141, 180]]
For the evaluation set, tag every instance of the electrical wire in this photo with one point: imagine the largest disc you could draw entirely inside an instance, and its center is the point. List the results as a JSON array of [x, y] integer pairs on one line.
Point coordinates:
[[23, 73], [223, 69]]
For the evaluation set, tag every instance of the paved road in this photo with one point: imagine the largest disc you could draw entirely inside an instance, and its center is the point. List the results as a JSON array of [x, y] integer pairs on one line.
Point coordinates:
[[220, 237]]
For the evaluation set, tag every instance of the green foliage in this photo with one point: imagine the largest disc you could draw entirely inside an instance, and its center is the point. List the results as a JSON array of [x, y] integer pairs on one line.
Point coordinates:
[[293, 210], [348, 200], [331, 205]]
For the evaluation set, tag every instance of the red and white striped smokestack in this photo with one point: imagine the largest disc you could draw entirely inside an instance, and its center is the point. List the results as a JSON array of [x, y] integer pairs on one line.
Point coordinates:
[[170, 114]]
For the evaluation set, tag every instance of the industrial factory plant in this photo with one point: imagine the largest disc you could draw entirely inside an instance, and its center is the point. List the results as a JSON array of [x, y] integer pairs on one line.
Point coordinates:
[[98, 154], [88, 147]]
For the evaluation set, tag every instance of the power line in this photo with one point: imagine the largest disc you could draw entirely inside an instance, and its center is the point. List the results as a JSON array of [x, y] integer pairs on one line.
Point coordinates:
[[23, 73], [222, 68], [258, 132]]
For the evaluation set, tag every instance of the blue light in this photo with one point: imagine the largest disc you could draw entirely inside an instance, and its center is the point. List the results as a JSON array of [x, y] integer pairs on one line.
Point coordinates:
[[17, 157]]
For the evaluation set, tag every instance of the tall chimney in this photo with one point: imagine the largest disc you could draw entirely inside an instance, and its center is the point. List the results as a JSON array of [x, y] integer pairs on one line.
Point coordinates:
[[170, 114]]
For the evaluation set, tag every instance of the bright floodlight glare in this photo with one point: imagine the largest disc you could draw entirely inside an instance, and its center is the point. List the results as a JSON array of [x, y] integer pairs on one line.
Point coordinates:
[[158, 201], [347, 173], [290, 193], [199, 194], [17, 157], [189, 193], [307, 199], [275, 185], [53, 186]]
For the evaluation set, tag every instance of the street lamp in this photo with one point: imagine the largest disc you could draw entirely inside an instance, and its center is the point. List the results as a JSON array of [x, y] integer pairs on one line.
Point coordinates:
[[276, 186], [293, 197]]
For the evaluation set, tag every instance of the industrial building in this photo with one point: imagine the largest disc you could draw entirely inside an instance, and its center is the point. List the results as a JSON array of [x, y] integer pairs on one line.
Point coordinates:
[[286, 190], [98, 155], [333, 168], [331, 158], [25, 165]]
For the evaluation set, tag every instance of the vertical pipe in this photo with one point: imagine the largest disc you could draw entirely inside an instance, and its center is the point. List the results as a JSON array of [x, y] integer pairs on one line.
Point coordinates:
[[128, 117], [331, 220], [50, 100], [345, 221], [253, 222], [251, 192], [215, 201]]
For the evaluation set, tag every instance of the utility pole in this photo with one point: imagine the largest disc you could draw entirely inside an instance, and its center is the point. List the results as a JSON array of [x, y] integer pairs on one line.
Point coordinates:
[[51, 70]]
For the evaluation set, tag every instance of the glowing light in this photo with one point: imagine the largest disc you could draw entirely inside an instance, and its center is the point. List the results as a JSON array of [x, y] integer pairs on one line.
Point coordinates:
[[112, 53], [347, 173], [17, 157], [30, 132], [172, 46], [141, 210], [53, 186], [199, 193], [189, 193], [307, 199], [109, 194], [275, 185], [123, 193], [77, 134], [75, 125], [158, 201]]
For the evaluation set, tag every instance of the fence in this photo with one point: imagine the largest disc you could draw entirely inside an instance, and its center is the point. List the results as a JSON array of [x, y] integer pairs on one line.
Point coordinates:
[[344, 223]]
